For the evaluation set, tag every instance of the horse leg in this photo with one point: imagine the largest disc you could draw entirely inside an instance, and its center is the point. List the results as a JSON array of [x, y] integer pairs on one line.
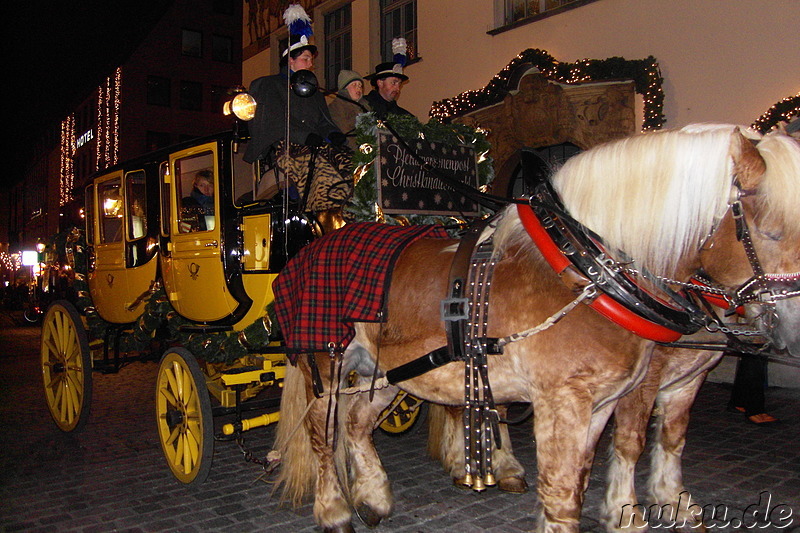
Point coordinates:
[[446, 444], [370, 493], [666, 478], [622, 511], [566, 431], [331, 509]]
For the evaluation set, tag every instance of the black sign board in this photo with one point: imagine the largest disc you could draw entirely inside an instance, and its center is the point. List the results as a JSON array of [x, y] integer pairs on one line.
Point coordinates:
[[404, 187]]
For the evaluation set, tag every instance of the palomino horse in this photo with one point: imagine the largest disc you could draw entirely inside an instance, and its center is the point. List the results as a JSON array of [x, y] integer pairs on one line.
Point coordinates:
[[675, 375], [659, 197]]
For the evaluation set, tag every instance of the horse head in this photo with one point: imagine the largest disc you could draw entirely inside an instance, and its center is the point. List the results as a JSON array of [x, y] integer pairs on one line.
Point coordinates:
[[755, 248]]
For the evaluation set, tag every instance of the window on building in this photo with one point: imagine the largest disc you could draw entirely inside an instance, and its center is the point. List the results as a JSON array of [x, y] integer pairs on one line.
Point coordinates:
[[192, 43], [158, 91], [222, 48], [399, 19], [516, 10], [191, 97], [157, 139], [219, 95], [338, 44], [223, 7]]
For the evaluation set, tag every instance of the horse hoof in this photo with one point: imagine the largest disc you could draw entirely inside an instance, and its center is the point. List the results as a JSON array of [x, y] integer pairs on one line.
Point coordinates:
[[368, 515], [346, 528], [513, 484]]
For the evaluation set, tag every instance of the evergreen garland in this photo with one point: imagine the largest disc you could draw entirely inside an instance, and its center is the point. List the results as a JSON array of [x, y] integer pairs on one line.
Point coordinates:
[[782, 111], [363, 207], [645, 74], [224, 347]]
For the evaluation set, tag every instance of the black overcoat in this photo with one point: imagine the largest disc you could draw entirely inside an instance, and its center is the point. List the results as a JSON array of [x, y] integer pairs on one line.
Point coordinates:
[[307, 115]]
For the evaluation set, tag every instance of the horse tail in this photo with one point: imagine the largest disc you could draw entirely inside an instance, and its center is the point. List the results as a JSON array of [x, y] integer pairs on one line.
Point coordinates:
[[445, 438], [293, 441], [436, 437]]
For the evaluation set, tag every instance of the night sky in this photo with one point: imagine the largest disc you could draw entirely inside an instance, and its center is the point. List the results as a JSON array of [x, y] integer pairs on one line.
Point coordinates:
[[56, 53]]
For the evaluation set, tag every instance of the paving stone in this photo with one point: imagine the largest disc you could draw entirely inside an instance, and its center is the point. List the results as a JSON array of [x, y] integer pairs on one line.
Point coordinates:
[[112, 476]]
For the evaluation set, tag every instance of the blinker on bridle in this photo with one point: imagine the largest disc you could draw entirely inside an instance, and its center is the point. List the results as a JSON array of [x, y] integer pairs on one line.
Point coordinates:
[[764, 288]]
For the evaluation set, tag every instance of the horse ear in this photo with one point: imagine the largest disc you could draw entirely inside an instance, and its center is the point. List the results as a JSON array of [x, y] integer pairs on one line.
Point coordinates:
[[748, 165]]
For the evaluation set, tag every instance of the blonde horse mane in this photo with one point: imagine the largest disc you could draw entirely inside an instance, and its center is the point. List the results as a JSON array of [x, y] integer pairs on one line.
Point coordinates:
[[779, 193], [656, 196]]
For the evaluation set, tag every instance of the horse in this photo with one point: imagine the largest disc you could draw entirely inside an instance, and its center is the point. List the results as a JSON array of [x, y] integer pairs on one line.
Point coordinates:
[[660, 197]]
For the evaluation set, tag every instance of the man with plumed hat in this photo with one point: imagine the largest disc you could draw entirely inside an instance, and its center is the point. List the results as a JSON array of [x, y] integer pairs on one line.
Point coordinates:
[[387, 81], [308, 115]]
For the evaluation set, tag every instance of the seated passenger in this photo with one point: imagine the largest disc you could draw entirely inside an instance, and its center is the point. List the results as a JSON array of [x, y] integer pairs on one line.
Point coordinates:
[[197, 209]]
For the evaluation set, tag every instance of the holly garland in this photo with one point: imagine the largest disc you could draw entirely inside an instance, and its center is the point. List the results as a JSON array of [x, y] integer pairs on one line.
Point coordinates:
[[645, 74], [363, 206], [782, 111], [225, 347]]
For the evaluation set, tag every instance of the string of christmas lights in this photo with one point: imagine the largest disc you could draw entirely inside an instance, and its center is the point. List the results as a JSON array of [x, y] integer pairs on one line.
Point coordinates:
[[645, 74], [108, 104], [782, 111], [67, 175], [12, 262]]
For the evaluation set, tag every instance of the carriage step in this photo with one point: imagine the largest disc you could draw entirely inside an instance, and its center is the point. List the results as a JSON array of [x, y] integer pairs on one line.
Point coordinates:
[[245, 375]]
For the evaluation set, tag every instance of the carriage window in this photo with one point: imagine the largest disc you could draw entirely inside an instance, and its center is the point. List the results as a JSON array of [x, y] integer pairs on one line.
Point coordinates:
[[137, 206], [194, 185], [163, 172], [110, 204], [88, 210], [243, 178]]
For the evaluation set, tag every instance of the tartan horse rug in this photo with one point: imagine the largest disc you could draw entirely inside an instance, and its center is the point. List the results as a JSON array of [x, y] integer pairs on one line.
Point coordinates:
[[340, 279]]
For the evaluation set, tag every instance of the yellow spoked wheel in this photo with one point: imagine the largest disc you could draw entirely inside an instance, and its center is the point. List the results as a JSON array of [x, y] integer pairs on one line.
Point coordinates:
[[66, 366], [403, 416], [185, 421]]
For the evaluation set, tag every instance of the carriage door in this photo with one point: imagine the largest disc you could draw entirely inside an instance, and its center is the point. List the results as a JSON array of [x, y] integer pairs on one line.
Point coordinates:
[[107, 282], [193, 271]]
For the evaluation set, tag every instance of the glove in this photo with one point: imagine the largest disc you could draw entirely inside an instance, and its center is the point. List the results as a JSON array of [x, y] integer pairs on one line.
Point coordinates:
[[313, 140], [337, 138]]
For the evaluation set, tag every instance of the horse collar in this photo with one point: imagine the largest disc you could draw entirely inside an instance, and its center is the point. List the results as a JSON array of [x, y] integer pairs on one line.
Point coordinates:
[[576, 254]]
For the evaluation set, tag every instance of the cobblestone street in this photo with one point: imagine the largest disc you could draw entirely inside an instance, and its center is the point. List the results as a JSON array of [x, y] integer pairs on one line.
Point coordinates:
[[113, 477]]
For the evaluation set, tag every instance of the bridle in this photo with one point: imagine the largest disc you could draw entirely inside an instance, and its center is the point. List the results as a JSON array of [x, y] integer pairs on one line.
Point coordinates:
[[674, 310]]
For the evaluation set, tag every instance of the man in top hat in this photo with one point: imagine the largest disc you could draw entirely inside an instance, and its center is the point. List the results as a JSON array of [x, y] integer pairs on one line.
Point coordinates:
[[387, 82]]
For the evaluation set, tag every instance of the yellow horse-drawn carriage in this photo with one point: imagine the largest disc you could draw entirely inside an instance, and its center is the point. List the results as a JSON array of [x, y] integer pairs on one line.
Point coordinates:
[[156, 272], [153, 270]]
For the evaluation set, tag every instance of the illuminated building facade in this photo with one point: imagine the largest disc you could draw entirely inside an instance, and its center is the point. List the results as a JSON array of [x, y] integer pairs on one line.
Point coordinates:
[[170, 88]]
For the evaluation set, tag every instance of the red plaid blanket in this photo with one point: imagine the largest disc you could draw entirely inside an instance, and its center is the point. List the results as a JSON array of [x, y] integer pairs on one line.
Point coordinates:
[[340, 279]]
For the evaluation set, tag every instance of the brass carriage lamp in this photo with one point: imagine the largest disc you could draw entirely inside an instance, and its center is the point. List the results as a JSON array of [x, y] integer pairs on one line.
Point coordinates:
[[242, 105]]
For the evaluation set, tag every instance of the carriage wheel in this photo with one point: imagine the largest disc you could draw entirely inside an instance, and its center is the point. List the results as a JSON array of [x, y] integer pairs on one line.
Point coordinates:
[[66, 366], [403, 417], [185, 421]]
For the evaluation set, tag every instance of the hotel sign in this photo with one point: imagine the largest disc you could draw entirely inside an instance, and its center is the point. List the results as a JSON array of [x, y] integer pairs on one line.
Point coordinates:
[[85, 138]]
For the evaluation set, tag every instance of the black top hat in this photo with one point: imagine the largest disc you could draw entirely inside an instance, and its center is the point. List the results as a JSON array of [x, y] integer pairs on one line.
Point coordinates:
[[387, 70]]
